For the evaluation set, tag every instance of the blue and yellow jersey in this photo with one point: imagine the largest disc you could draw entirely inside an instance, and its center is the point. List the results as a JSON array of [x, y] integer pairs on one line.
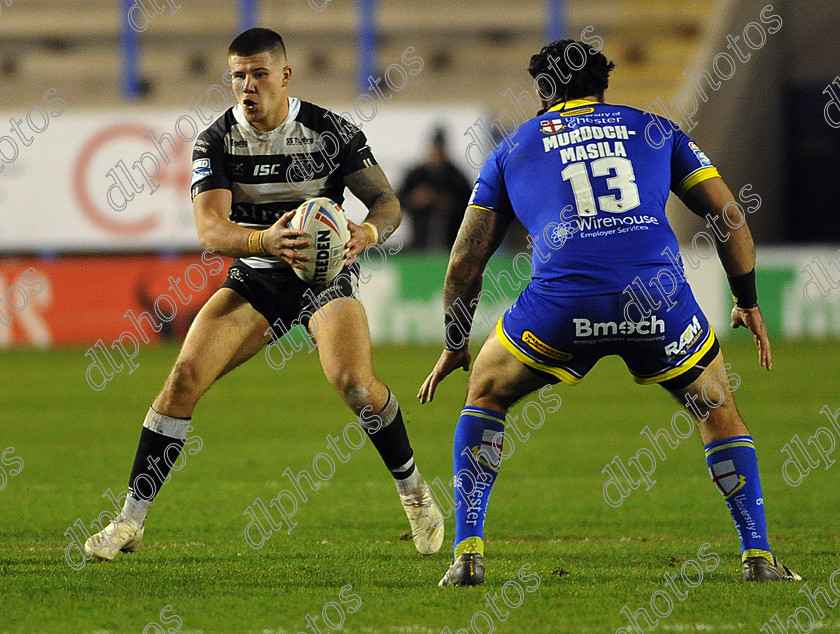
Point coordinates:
[[590, 184]]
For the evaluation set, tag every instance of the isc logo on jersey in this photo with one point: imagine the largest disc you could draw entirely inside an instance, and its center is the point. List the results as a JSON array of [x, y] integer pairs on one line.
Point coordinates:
[[687, 339], [267, 170]]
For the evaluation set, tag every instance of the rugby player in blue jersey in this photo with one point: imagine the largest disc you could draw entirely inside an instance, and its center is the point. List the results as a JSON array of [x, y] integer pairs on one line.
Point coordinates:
[[589, 180]]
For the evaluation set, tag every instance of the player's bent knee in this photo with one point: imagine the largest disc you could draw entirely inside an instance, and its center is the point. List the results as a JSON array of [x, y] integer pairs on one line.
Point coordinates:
[[184, 379], [353, 386], [357, 395], [481, 393]]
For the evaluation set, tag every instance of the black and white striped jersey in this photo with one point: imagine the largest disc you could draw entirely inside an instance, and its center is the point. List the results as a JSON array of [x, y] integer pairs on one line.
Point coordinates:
[[270, 173]]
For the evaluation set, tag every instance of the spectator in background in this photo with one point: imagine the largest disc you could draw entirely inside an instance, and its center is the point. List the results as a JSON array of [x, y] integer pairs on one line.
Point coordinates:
[[434, 195]]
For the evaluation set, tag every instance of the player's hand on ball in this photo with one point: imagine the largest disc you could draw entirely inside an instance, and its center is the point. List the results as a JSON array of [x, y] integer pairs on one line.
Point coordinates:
[[283, 241], [448, 362], [359, 240], [751, 319]]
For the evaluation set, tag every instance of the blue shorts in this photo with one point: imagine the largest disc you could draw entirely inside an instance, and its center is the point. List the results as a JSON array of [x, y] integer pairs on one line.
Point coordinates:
[[565, 336]]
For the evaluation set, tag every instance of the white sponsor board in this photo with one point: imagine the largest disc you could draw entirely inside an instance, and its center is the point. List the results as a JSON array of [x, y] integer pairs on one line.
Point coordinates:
[[119, 180], [55, 195]]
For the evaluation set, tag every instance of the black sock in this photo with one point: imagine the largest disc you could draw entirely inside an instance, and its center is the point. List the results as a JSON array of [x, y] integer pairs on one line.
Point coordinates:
[[161, 441], [386, 430]]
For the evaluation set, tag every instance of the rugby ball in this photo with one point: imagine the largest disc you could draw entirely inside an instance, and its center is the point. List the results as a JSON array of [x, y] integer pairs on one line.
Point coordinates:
[[323, 223]]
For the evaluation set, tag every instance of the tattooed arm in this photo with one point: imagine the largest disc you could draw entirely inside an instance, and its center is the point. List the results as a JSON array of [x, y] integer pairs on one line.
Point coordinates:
[[480, 235], [371, 186]]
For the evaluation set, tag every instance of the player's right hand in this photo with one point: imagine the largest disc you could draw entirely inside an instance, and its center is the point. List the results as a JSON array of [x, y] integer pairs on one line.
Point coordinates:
[[752, 319], [449, 361], [283, 241], [358, 242]]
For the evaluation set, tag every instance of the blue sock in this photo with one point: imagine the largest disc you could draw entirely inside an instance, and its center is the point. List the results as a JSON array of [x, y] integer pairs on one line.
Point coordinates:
[[733, 466], [477, 453]]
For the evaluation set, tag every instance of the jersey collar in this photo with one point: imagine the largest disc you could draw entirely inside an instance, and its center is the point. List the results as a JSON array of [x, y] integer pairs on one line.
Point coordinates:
[[294, 109], [573, 103]]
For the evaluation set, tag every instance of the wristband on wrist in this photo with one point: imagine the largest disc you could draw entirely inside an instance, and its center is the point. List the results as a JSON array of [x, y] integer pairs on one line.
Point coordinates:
[[372, 231], [456, 336], [255, 244], [743, 289]]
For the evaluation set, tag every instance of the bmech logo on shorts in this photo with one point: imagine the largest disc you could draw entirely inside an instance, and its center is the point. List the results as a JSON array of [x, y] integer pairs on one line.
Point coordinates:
[[535, 343], [587, 328], [688, 338]]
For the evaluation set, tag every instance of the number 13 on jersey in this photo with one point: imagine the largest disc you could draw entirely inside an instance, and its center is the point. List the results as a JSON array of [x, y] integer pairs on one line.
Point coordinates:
[[620, 176]]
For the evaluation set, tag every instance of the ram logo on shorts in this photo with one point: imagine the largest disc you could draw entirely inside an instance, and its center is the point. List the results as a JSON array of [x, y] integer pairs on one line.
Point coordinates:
[[687, 339]]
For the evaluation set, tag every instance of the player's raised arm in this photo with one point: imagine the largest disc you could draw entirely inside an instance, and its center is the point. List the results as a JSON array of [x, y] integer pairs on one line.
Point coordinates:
[[712, 200], [480, 235], [212, 208], [371, 186]]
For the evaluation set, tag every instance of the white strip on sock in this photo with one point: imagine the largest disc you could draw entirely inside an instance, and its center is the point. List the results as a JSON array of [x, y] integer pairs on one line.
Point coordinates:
[[167, 425], [411, 484], [383, 418]]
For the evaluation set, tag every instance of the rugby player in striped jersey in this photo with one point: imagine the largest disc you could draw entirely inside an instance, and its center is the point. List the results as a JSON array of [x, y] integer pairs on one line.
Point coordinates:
[[251, 168]]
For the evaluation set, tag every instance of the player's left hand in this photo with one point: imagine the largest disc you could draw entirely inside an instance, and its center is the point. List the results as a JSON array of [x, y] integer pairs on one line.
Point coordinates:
[[359, 240], [751, 319], [448, 362]]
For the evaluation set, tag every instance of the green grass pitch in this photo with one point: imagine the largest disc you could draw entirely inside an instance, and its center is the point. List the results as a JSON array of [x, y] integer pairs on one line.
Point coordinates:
[[547, 509]]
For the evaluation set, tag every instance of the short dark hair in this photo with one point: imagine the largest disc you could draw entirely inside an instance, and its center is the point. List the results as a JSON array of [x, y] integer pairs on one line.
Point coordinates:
[[568, 69], [257, 40]]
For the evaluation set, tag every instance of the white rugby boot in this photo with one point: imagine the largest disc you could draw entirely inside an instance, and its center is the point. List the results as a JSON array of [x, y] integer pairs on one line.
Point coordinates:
[[425, 518], [118, 536]]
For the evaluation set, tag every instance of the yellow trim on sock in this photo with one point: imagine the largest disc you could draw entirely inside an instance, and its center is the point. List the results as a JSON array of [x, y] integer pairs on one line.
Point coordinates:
[[470, 545], [755, 552], [739, 443], [470, 412]]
